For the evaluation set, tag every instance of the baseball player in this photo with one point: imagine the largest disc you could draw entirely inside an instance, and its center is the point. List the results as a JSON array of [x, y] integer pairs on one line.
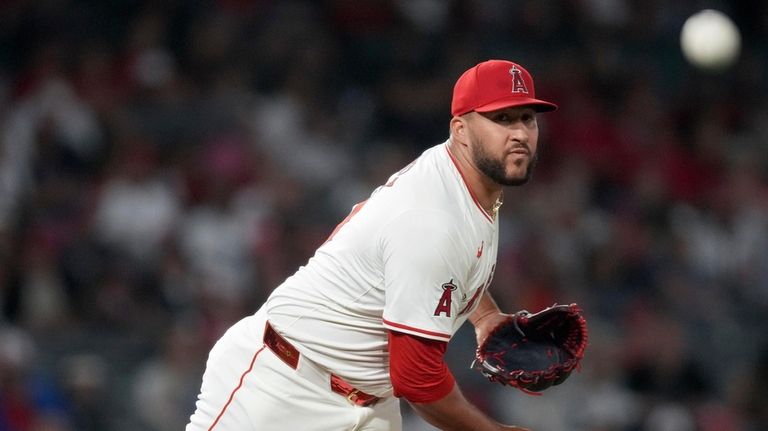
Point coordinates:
[[367, 320]]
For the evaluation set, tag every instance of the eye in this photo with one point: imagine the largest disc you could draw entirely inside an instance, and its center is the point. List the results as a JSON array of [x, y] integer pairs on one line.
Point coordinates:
[[528, 118], [502, 117]]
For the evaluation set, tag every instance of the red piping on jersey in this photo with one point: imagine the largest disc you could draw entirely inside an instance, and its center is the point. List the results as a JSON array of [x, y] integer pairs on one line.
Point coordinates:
[[239, 385], [420, 331], [355, 208], [469, 189], [472, 301]]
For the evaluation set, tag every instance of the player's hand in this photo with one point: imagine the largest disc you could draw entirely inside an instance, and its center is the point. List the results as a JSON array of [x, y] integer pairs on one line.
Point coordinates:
[[486, 324], [513, 428]]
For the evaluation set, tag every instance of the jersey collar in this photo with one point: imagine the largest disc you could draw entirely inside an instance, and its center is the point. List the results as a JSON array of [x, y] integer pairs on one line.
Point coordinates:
[[469, 189]]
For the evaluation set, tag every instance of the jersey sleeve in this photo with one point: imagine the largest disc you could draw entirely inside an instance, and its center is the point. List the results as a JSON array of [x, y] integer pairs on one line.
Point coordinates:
[[417, 369], [424, 274]]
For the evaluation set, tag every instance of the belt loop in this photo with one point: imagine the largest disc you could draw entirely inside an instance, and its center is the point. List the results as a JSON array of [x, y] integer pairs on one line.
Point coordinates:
[[281, 347]]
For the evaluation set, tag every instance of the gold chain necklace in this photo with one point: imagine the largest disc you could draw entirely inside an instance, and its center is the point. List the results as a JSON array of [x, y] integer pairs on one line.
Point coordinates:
[[497, 204]]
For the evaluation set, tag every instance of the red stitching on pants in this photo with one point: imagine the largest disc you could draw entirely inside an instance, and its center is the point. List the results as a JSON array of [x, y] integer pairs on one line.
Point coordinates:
[[239, 385]]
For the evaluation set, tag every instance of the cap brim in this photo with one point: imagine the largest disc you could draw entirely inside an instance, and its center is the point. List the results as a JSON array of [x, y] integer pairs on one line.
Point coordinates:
[[538, 105]]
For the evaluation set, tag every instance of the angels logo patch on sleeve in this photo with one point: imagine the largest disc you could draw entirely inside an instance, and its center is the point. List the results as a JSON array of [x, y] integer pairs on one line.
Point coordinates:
[[444, 303]]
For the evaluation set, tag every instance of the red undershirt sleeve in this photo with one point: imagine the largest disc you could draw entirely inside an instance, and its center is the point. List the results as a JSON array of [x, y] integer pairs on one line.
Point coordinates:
[[417, 369]]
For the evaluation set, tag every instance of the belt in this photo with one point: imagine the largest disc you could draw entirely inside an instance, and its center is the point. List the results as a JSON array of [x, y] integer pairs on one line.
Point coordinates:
[[290, 355]]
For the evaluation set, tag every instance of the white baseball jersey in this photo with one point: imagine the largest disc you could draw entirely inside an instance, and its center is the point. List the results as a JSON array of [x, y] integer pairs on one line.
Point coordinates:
[[415, 258]]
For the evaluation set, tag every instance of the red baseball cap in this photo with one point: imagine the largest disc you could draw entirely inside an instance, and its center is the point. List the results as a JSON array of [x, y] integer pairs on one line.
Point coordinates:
[[496, 84]]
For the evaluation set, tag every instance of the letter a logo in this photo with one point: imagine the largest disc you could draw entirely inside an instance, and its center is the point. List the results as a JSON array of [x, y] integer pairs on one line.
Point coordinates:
[[444, 304], [518, 85]]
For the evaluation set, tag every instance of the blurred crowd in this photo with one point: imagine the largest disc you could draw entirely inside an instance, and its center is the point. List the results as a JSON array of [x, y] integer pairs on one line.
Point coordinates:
[[164, 165]]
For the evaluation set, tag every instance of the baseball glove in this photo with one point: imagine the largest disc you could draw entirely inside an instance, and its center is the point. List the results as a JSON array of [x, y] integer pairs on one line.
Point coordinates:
[[534, 351]]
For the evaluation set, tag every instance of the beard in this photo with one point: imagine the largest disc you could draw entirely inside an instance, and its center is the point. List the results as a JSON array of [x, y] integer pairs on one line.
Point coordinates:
[[495, 169]]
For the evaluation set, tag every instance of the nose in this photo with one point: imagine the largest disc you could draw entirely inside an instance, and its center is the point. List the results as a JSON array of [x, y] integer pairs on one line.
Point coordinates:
[[518, 132]]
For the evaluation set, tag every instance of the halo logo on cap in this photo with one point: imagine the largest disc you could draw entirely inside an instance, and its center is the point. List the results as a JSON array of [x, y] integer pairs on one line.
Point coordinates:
[[518, 85]]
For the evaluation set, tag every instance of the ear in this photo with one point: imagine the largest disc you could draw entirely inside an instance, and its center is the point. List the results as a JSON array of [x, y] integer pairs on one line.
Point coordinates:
[[458, 127]]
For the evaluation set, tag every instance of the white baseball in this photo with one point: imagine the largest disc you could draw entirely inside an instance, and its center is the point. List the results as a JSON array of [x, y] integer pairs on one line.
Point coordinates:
[[710, 40]]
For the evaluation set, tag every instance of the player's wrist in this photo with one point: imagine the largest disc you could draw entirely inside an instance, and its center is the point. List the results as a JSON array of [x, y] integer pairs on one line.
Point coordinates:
[[485, 324], [488, 316], [478, 319]]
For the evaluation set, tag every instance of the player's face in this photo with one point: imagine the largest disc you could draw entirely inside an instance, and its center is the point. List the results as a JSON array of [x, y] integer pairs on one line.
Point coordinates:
[[504, 144]]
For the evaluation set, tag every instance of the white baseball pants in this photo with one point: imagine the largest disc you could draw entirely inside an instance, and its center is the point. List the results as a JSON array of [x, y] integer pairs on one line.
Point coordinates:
[[246, 387]]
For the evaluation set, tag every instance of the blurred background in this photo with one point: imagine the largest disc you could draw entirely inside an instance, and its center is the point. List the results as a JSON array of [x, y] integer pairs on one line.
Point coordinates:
[[165, 164]]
